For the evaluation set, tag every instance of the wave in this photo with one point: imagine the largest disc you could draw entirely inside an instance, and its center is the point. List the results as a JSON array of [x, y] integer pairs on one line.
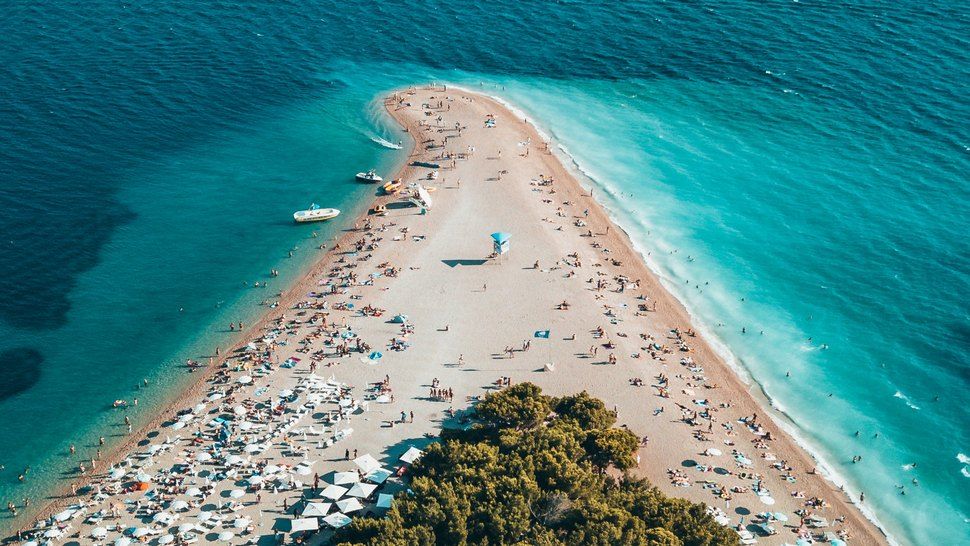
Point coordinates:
[[778, 414]]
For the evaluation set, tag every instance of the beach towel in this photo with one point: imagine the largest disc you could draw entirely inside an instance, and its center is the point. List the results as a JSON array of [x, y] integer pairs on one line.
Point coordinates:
[[542, 334]]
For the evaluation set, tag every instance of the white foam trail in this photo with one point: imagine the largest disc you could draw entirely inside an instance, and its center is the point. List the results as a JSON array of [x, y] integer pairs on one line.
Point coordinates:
[[906, 399], [385, 143], [963, 458]]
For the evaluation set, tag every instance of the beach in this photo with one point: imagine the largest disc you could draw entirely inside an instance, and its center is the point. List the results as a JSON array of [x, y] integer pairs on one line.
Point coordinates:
[[410, 317]]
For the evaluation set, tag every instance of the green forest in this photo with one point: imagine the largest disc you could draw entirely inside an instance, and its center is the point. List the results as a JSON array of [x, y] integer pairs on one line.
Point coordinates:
[[535, 470]]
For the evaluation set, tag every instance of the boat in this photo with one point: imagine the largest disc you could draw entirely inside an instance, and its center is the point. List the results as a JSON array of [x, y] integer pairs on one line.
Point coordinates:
[[380, 210], [392, 186], [370, 177], [315, 214], [425, 164]]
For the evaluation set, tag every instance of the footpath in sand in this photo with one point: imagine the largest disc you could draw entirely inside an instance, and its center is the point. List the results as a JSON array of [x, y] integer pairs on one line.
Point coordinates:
[[331, 377]]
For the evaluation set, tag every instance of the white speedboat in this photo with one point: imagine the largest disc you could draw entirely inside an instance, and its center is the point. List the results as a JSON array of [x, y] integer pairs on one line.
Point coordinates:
[[315, 214], [369, 177]]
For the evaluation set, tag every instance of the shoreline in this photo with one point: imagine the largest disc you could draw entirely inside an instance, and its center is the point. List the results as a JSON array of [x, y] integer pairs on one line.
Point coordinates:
[[755, 388], [183, 395], [600, 214]]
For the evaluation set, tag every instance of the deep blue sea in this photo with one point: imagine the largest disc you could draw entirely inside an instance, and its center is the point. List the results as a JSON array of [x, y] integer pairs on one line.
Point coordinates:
[[798, 169]]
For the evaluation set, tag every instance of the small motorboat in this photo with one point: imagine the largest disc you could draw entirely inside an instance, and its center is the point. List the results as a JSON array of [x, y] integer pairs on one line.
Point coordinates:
[[392, 186], [315, 214], [370, 177]]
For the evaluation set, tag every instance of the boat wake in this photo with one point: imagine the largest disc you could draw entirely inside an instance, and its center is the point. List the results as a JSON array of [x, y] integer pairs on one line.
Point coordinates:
[[905, 398], [385, 143]]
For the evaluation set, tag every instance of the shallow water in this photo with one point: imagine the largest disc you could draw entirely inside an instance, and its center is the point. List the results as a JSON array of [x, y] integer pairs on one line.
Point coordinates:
[[807, 159]]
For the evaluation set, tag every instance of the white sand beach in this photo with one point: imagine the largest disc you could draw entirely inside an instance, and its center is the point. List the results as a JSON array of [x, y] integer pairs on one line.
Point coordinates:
[[397, 331]]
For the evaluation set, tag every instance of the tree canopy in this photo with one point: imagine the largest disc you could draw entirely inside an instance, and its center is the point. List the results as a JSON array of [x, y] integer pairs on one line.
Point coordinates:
[[532, 471]]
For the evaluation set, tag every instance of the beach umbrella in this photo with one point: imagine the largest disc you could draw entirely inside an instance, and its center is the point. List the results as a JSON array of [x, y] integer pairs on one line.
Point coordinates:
[[198, 408], [240, 410], [271, 469], [384, 500], [367, 463], [203, 456], [194, 492], [378, 475], [400, 319], [99, 532], [303, 470], [349, 505], [316, 509], [186, 527], [241, 523], [141, 532], [237, 493], [722, 520], [411, 455], [215, 396], [226, 536], [180, 506], [341, 478], [122, 541], [286, 393], [142, 486], [337, 520], [166, 539], [178, 425], [163, 517], [53, 533], [65, 515], [143, 477], [767, 500], [116, 474], [713, 451], [333, 492], [185, 419], [204, 516], [780, 516], [245, 380], [234, 460], [252, 448], [31, 543], [255, 479], [361, 490]]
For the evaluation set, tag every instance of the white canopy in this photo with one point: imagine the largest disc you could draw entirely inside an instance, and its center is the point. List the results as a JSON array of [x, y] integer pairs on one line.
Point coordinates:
[[341, 478], [337, 520], [166, 539], [226, 536], [349, 505], [367, 463], [179, 505], [237, 493], [304, 524], [99, 532], [194, 492], [333, 492], [316, 509], [203, 457], [361, 490], [411, 455]]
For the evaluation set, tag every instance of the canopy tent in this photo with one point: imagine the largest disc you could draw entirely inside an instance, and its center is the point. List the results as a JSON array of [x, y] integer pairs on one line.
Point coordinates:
[[349, 505], [337, 520], [384, 500], [378, 475], [411, 455], [361, 490], [333, 492], [316, 509], [342, 478], [303, 524], [366, 463]]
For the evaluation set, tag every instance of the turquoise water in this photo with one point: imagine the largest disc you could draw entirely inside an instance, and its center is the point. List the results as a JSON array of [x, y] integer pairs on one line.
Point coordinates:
[[807, 159]]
